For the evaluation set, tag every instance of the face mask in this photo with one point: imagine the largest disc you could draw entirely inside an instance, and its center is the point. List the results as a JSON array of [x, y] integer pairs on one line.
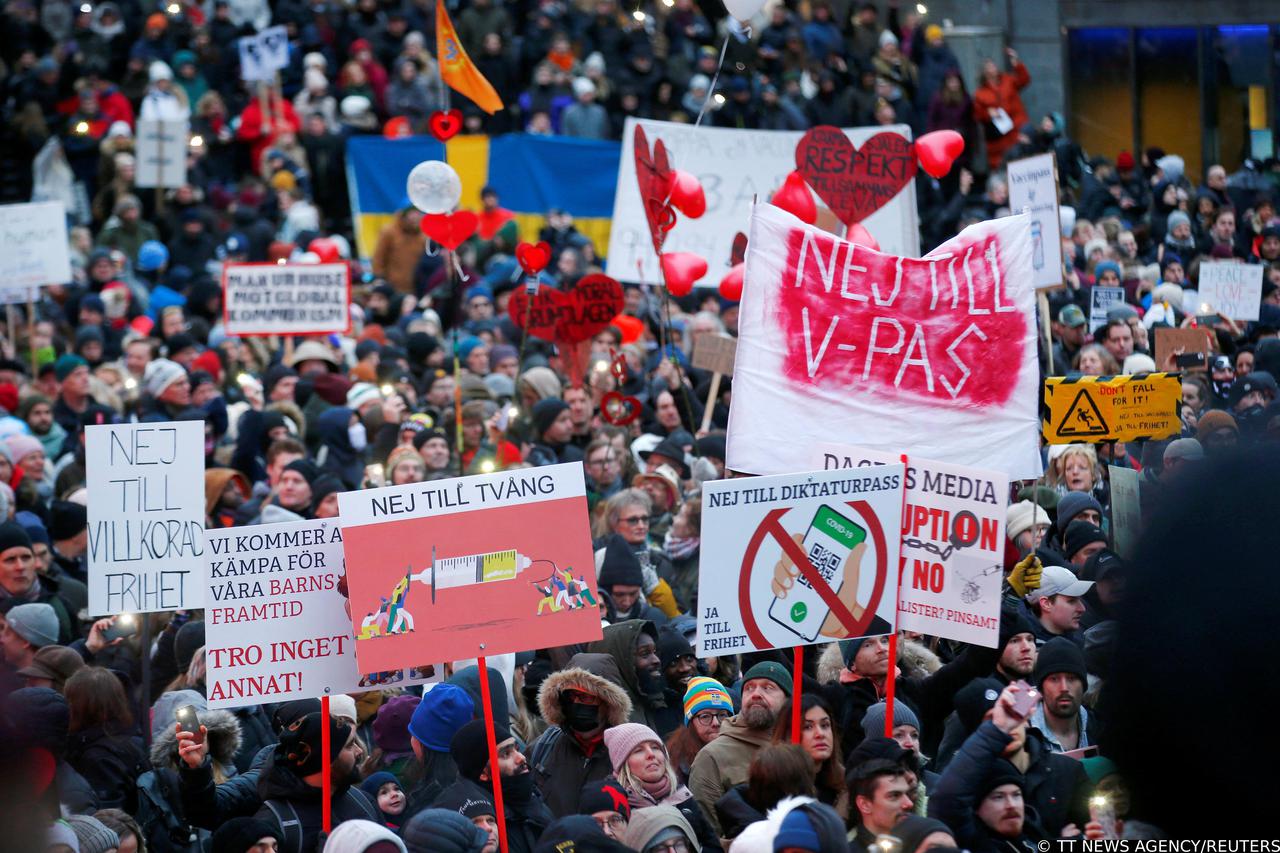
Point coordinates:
[[357, 436], [582, 718], [517, 788]]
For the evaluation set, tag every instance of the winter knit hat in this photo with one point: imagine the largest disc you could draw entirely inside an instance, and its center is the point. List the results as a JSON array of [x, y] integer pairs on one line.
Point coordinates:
[[622, 740], [603, 795], [362, 393], [306, 468], [37, 623], [160, 374], [61, 834], [66, 365], [240, 833], [1073, 503], [812, 826], [1212, 421], [93, 835], [41, 714], [705, 694], [391, 726], [1059, 655], [1022, 516], [974, 700], [1079, 534], [443, 831], [342, 706], [1176, 218], [12, 535], [797, 833], [470, 747], [67, 519], [469, 804], [1001, 773], [443, 710], [299, 747], [621, 567], [21, 446], [374, 783], [545, 413], [873, 720], [357, 836], [912, 830], [189, 640], [773, 671]]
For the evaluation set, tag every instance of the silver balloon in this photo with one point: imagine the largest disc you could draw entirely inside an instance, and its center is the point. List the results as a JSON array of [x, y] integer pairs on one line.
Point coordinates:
[[434, 187]]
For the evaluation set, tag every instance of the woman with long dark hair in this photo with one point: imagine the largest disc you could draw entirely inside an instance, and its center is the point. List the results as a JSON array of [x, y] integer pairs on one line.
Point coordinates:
[[102, 745], [821, 740]]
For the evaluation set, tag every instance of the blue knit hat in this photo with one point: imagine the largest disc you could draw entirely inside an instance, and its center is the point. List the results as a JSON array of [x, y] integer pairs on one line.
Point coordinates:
[[443, 710], [797, 833], [1107, 265]]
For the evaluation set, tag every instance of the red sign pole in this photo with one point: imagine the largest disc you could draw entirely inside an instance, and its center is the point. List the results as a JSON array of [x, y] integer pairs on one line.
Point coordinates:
[[891, 677], [797, 685], [494, 775], [326, 747]]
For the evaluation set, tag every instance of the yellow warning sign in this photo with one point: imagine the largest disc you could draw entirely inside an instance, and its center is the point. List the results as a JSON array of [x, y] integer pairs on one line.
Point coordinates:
[[1111, 408]]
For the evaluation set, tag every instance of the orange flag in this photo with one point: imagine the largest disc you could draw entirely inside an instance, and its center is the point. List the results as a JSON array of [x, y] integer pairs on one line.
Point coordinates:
[[457, 69]]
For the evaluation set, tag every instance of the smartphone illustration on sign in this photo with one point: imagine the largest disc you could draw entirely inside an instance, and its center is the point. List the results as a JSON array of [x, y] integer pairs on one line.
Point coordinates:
[[830, 539]]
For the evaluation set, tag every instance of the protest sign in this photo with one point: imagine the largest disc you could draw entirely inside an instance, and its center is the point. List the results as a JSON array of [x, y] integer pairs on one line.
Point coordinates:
[[1112, 408], [286, 299], [1033, 189], [1198, 340], [473, 566], [1126, 510], [276, 621], [1231, 289], [1100, 301], [570, 316], [952, 544], [935, 355], [33, 244], [146, 516], [162, 153], [800, 559], [715, 353], [855, 182], [735, 167], [264, 53], [17, 295]]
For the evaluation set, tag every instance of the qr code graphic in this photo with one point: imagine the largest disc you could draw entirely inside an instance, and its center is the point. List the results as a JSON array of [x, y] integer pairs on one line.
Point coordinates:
[[826, 561]]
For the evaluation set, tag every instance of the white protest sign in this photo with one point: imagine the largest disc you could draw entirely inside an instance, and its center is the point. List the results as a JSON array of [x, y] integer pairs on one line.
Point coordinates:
[[1126, 509], [952, 544], [146, 516], [1231, 289], [162, 153], [263, 54], [17, 295], [1100, 301], [735, 168], [1033, 187], [289, 299], [276, 625], [800, 559], [33, 244]]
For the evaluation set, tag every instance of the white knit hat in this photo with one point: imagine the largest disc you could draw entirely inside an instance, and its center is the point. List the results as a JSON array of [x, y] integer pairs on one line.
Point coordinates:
[[355, 836], [1022, 516]]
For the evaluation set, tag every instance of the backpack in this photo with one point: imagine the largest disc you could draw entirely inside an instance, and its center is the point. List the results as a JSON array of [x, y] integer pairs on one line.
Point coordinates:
[[291, 825], [159, 815]]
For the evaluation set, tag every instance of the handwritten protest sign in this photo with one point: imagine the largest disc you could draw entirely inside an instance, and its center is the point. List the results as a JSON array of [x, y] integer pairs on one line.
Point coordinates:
[[855, 182], [264, 53], [715, 353], [1033, 189], [1231, 289], [735, 167], [1126, 509], [469, 567], [936, 354], [289, 299], [146, 516], [1112, 408], [162, 153], [952, 544], [276, 621], [570, 316], [800, 559], [33, 244], [1101, 299]]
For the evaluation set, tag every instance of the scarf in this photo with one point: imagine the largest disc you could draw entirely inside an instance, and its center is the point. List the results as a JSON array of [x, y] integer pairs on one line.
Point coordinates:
[[658, 794], [680, 547]]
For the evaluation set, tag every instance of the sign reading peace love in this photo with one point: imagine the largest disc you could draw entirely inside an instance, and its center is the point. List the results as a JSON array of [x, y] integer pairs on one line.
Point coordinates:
[[855, 182]]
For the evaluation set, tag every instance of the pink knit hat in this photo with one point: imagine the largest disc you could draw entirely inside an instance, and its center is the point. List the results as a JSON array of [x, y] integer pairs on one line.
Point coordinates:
[[622, 741], [22, 446]]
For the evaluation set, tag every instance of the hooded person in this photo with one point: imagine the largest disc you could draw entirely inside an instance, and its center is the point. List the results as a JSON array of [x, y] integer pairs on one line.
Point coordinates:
[[443, 710], [650, 829], [386, 791], [579, 703], [678, 665], [343, 440], [813, 827], [633, 644]]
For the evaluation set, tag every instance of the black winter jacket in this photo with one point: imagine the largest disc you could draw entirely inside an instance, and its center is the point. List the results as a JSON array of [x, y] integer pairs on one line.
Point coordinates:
[[298, 800]]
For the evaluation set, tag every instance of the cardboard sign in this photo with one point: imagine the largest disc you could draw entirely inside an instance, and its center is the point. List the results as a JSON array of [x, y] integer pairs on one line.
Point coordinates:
[[289, 299], [800, 559], [571, 316], [146, 517], [1231, 289], [736, 168], [1126, 510], [33, 244], [263, 54], [1169, 341], [276, 626], [1111, 408], [1101, 299], [855, 182], [1033, 189], [934, 355], [472, 566], [162, 153], [952, 559], [715, 353]]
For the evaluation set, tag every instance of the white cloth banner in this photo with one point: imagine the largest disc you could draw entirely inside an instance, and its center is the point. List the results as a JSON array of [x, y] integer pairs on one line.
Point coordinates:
[[934, 357]]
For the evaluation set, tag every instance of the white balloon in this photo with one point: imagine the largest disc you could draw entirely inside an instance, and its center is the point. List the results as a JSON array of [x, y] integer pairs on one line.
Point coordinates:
[[434, 187], [743, 10]]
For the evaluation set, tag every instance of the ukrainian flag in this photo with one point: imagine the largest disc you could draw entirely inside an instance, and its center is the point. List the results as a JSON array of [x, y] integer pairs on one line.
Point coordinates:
[[530, 173]]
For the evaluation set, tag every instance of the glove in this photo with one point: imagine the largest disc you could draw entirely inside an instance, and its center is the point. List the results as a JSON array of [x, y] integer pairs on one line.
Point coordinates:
[[1025, 576], [649, 574]]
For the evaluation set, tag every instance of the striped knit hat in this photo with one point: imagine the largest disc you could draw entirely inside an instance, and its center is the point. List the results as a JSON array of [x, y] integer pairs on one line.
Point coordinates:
[[705, 694]]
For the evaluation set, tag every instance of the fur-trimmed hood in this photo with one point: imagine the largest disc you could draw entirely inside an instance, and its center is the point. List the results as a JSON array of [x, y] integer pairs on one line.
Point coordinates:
[[914, 659], [223, 735], [591, 673]]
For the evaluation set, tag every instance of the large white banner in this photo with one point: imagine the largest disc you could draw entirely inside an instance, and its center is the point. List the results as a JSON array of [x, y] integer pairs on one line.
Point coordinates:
[[286, 299], [952, 544], [736, 168], [162, 153], [934, 357], [1232, 289], [146, 516], [33, 244], [1033, 188]]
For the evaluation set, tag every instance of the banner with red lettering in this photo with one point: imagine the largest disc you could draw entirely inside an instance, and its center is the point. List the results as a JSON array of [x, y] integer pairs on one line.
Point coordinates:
[[933, 357]]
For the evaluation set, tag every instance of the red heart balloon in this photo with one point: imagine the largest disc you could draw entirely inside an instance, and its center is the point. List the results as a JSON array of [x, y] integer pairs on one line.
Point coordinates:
[[618, 409], [450, 230], [533, 257], [568, 316], [680, 270], [855, 183], [445, 125], [938, 150], [653, 175], [397, 128], [325, 249], [861, 236], [687, 195], [795, 198], [731, 284]]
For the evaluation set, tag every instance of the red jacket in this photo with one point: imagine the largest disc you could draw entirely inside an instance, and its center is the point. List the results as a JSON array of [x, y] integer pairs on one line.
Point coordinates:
[[1003, 95], [259, 137]]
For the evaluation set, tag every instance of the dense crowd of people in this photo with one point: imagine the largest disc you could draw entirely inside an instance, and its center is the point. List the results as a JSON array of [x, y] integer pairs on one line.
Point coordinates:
[[1075, 724]]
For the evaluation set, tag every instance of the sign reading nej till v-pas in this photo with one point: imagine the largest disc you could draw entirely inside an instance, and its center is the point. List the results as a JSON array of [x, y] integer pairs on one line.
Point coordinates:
[[1033, 187], [934, 356], [146, 516], [736, 168], [800, 559], [952, 544], [277, 625], [289, 299], [472, 566], [33, 244]]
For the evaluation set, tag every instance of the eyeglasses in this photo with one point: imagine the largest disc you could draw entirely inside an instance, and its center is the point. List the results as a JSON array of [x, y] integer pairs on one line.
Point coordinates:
[[635, 519], [675, 845], [706, 718], [598, 463], [613, 821]]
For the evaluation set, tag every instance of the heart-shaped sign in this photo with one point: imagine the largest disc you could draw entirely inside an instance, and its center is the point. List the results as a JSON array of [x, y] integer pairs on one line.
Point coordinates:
[[568, 316], [450, 230], [654, 176], [533, 257], [680, 270], [619, 409], [855, 183], [445, 125], [738, 252]]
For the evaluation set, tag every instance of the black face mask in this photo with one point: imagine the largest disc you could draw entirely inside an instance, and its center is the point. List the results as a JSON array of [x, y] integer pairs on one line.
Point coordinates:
[[517, 789], [582, 718]]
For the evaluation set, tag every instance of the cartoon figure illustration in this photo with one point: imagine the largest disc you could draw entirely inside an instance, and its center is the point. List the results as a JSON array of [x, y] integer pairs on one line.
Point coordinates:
[[548, 598]]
